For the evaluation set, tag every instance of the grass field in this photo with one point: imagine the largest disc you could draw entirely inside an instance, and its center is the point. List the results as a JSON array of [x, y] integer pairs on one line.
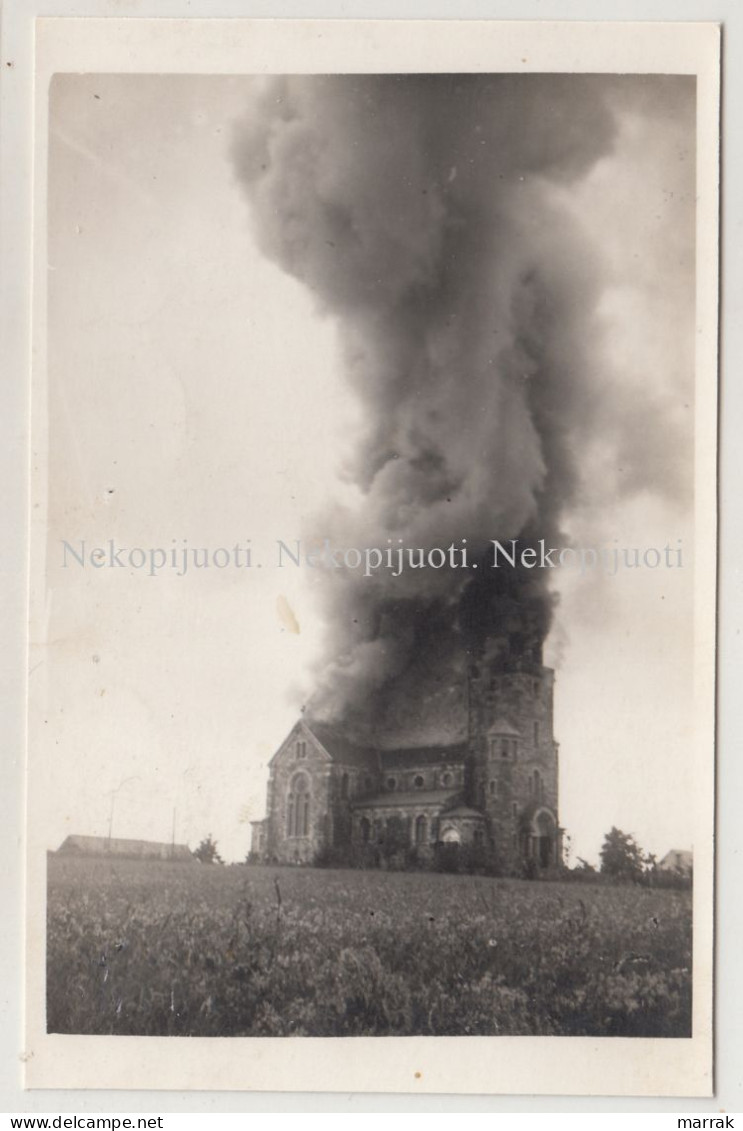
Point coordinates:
[[179, 949]]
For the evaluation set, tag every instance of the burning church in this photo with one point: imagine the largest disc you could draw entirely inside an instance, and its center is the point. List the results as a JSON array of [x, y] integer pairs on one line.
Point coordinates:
[[496, 789], [430, 218], [459, 750]]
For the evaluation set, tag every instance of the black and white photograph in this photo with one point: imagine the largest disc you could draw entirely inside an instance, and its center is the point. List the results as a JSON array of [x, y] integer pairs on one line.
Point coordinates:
[[372, 664]]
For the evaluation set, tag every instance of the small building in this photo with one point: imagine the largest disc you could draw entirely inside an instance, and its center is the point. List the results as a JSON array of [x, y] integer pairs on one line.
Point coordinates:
[[680, 860], [76, 845]]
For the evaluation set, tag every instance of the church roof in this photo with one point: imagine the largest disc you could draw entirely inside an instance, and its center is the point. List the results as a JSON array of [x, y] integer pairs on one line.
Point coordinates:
[[407, 799], [343, 749], [339, 746], [410, 757]]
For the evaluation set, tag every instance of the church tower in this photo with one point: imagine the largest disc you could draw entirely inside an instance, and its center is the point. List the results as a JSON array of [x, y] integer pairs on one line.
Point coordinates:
[[513, 757]]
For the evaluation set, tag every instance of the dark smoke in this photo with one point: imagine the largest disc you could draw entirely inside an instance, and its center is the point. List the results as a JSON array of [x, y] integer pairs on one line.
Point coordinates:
[[421, 213]]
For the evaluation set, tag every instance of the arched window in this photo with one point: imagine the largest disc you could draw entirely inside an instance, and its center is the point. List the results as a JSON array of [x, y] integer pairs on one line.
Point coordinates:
[[301, 749], [304, 814], [391, 783], [537, 785], [446, 779], [419, 781], [420, 830], [344, 786], [298, 807], [505, 748], [543, 839]]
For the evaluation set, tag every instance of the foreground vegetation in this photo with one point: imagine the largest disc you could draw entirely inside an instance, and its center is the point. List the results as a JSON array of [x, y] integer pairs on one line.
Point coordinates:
[[161, 948]]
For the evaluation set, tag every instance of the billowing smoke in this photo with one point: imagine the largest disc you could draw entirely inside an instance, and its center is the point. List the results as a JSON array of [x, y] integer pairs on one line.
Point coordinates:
[[424, 214]]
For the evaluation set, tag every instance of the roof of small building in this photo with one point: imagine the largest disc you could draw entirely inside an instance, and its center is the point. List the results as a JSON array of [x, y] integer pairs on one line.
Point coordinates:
[[678, 858], [119, 846], [414, 798]]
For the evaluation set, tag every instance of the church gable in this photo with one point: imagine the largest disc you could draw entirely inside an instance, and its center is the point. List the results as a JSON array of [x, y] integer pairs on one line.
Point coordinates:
[[301, 748]]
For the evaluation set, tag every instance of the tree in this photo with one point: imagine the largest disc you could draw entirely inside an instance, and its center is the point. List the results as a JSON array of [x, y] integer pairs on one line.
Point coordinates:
[[621, 856], [207, 853]]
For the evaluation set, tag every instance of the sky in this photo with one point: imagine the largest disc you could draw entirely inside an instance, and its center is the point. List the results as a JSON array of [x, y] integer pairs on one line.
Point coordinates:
[[197, 391]]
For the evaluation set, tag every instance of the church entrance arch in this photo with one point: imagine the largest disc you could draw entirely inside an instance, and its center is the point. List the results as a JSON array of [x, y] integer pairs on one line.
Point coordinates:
[[544, 838], [451, 835]]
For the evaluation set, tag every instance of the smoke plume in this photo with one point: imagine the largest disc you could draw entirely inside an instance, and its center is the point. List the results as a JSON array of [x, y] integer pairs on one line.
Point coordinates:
[[424, 214]]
